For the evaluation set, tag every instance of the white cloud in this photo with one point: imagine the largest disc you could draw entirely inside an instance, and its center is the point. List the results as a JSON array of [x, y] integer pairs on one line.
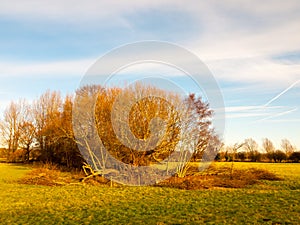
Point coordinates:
[[278, 115], [252, 70], [247, 57], [239, 40], [76, 11], [235, 112], [236, 39], [258, 114], [283, 121], [234, 109], [235, 44], [42, 69], [245, 115]]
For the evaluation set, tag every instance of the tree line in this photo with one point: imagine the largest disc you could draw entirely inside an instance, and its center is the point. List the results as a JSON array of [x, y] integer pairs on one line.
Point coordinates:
[[249, 150], [42, 130]]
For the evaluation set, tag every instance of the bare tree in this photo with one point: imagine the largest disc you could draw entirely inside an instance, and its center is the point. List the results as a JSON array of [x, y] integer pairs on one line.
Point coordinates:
[[199, 138], [11, 125], [287, 147], [251, 148], [269, 148], [46, 112], [27, 131], [235, 149], [85, 129]]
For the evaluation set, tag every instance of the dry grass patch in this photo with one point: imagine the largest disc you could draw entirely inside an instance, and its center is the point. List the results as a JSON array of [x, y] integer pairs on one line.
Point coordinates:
[[52, 175], [49, 175], [225, 177]]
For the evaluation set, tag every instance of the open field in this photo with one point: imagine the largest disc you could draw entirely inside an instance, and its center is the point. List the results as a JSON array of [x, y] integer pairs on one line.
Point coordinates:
[[271, 202]]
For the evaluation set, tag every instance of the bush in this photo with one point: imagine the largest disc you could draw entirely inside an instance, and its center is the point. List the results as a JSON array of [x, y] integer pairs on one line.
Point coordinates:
[[279, 156], [295, 157], [242, 156], [17, 156]]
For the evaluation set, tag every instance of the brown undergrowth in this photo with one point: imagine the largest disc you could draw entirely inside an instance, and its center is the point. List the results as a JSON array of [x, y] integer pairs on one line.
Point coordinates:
[[223, 177], [50, 175]]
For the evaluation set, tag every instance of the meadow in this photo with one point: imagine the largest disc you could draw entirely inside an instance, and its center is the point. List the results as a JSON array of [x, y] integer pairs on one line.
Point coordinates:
[[269, 202]]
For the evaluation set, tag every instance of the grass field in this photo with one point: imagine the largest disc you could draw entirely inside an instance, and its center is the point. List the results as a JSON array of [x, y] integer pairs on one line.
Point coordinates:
[[271, 202]]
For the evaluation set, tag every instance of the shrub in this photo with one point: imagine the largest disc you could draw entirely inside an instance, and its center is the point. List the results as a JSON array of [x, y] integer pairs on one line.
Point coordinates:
[[295, 157], [279, 156]]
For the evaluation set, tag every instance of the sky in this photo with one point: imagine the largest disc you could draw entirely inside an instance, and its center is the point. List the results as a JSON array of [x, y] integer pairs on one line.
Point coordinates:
[[251, 47]]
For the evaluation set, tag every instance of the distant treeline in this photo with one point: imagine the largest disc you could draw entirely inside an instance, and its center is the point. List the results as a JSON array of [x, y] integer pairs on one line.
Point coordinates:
[[249, 151]]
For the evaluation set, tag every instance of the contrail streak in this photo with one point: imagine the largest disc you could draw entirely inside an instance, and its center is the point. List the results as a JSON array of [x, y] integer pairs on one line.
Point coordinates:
[[277, 115], [275, 98], [283, 92]]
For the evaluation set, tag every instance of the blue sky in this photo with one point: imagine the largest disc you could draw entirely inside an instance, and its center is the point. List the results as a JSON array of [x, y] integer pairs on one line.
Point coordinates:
[[251, 47]]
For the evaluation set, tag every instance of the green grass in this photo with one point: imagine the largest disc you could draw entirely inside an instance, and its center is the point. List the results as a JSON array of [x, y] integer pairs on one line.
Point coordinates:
[[268, 203]]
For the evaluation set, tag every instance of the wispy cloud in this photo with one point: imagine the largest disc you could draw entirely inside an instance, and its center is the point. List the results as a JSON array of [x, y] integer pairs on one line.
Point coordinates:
[[278, 115], [251, 112], [44, 69], [247, 108], [246, 115], [77, 13], [235, 40], [283, 121], [255, 70], [266, 111]]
